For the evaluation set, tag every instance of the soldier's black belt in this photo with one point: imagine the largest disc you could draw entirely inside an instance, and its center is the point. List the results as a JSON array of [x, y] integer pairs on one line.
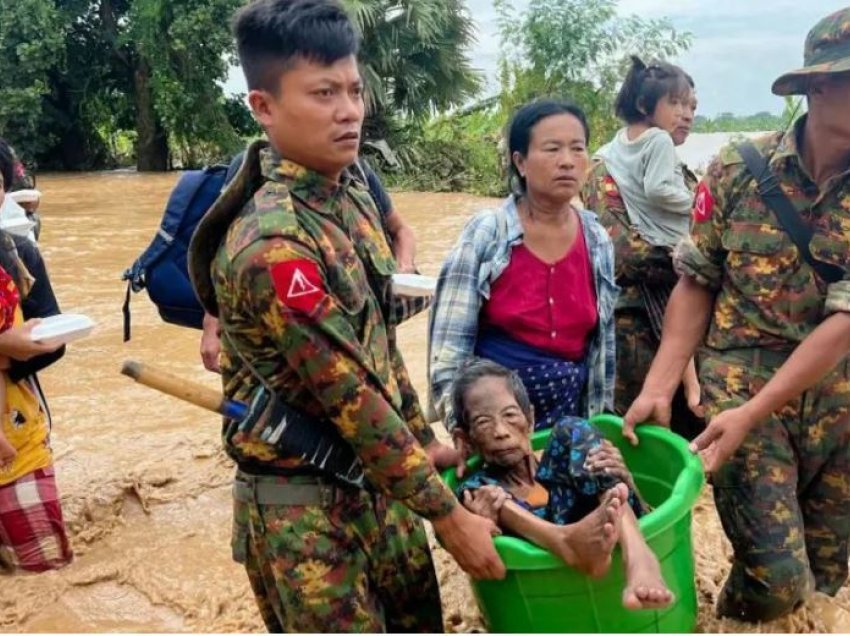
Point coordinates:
[[269, 492]]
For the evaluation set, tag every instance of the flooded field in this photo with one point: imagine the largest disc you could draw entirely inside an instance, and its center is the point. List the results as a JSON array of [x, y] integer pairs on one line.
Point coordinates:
[[145, 486]]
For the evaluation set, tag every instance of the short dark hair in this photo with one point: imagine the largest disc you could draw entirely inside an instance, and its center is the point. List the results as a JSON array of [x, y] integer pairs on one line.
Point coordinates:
[[644, 87], [523, 123], [7, 164], [272, 35], [476, 369]]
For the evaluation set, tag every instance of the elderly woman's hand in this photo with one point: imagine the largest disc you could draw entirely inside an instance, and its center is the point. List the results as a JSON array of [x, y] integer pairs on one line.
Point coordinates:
[[17, 343], [486, 501], [607, 459]]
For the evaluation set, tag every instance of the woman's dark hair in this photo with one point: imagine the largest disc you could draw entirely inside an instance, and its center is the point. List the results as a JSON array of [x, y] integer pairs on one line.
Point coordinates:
[[7, 164], [476, 369], [644, 87], [523, 123], [9, 260], [271, 35]]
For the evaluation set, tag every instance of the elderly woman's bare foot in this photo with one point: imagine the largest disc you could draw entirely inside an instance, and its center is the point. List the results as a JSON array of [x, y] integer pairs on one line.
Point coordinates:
[[645, 587], [587, 544]]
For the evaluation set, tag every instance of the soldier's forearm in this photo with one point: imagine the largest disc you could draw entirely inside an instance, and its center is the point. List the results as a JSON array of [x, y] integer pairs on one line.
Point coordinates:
[[685, 323], [813, 359]]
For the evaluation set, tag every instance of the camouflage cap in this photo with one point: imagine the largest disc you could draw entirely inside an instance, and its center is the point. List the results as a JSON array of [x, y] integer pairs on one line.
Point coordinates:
[[827, 51]]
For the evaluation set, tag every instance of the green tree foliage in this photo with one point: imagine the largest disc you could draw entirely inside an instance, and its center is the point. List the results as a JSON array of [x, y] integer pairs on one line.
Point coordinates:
[[182, 45], [452, 153], [562, 48], [77, 74], [578, 49], [31, 45], [240, 117], [414, 57]]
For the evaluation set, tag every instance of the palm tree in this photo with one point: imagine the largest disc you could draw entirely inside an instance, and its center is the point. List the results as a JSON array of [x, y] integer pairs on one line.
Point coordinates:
[[414, 58]]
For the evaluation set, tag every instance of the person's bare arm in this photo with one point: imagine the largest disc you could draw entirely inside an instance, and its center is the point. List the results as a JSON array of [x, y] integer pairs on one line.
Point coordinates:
[[17, 342], [815, 357], [211, 344], [685, 323], [404, 242], [693, 391], [494, 503]]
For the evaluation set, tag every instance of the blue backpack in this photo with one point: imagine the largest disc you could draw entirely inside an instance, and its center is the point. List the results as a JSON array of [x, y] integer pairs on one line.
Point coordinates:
[[162, 269]]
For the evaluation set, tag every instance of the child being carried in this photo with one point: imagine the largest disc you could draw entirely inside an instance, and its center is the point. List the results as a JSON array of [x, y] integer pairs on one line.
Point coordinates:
[[578, 502]]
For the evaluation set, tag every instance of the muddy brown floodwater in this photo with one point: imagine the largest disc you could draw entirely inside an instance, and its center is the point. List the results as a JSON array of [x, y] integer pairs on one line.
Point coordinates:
[[145, 486]]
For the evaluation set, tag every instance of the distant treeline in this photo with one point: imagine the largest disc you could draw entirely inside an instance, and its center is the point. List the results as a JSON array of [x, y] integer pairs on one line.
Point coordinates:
[[728, 122], [95, 84]]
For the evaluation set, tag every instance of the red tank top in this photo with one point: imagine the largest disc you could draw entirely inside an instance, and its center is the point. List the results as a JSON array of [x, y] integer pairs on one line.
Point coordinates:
[[548, 306]]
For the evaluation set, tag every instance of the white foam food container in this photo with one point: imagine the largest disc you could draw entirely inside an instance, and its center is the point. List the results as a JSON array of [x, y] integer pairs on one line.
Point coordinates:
[[62, 329], [25, 196], [414, 285]]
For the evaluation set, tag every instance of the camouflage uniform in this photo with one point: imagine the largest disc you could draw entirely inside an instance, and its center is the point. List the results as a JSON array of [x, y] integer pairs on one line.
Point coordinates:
[[298, 270], [784, 497], [637, 263]]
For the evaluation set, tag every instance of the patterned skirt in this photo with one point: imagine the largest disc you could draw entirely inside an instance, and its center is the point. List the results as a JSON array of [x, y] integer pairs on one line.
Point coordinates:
[[32, 531]]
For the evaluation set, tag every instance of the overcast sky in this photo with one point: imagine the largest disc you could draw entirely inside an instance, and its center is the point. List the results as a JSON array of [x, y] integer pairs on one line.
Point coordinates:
[[740, 46]]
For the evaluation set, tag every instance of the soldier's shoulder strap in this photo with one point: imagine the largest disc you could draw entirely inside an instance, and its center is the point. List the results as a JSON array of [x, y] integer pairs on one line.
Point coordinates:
[[275, 216], [779, 203], [730, 154]]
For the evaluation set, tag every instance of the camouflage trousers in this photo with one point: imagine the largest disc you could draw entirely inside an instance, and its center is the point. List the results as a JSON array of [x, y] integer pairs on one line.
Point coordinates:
[[359, 563], [636, 347], [784, 497]]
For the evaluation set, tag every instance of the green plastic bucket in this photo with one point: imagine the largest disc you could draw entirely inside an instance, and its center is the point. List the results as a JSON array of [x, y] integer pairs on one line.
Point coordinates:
[[541, 594]]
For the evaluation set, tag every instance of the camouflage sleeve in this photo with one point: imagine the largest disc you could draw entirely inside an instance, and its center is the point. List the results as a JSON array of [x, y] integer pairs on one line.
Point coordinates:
[[701, 255], [313, 334], [410, 405], [404, 308], [590, 192], [838, 297]]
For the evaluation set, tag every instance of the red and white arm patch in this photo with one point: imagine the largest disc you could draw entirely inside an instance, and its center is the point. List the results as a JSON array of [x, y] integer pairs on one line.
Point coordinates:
[[298, 284], [703, 203]]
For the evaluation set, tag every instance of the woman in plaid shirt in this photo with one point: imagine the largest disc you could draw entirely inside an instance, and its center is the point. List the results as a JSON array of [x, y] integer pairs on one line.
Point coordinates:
[[530, 284]]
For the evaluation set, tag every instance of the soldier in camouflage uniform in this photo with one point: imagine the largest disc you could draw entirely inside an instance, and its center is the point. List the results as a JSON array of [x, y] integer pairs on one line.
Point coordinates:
[[293, 261], [637, 263], [775, 370]]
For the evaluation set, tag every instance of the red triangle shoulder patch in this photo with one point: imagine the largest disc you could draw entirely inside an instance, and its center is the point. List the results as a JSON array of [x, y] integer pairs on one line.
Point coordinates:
[[703, 204], [298, 284]]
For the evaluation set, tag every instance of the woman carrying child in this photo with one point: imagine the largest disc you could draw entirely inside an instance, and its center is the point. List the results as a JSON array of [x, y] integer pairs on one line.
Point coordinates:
[[32, 530], [643, 195]]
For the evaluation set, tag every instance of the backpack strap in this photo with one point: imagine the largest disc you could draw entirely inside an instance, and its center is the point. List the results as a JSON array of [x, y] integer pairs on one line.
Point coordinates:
[[793, 224]]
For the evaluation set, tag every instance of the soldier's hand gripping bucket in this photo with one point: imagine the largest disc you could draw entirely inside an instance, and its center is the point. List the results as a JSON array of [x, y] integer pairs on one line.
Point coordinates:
[[542, 594]]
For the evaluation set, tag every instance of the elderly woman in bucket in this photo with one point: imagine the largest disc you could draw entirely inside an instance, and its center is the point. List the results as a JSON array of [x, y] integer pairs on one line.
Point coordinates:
[[578, 502], [530, 284]]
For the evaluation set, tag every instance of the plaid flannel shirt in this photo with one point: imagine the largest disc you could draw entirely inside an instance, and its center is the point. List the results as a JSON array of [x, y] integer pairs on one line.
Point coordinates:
[[478, 258]]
